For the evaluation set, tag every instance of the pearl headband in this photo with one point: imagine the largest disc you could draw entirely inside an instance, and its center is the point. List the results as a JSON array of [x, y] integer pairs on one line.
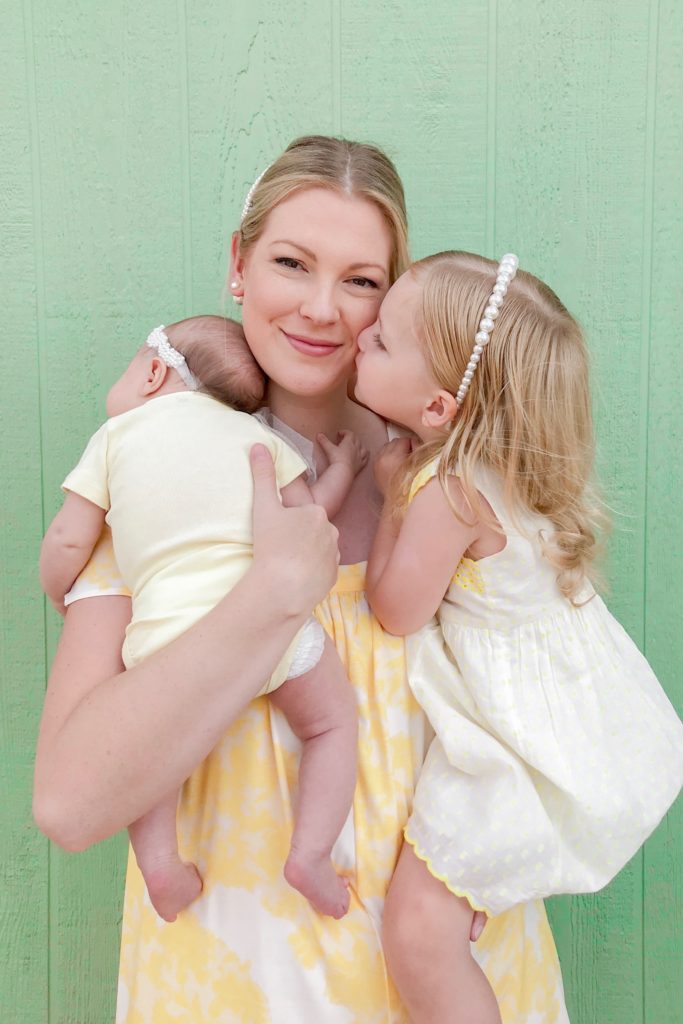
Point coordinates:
[[158, 339], [250, 196], [507, 268]]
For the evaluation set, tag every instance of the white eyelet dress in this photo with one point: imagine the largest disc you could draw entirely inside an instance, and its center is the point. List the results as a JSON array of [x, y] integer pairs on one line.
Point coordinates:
[[557, 752]]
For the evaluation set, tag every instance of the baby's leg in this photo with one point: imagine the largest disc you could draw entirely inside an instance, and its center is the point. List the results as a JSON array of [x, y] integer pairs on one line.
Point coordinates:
[[426, 933], [320, 707], [171, 883]]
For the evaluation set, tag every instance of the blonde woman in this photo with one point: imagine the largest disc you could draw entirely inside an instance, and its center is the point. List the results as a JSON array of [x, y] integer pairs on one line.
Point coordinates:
[[322, 239], [556, 751]]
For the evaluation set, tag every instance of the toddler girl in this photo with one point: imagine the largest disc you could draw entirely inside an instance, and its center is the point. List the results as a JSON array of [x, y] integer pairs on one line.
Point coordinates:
[[556, 750], [170, 473]]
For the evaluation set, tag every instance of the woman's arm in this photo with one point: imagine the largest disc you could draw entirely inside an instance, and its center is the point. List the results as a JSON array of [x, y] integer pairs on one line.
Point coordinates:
[[113, 743], [411, 567]]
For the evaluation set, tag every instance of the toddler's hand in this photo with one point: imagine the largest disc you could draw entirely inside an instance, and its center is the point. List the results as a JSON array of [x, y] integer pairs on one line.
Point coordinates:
[[347, 450], [391, 457]]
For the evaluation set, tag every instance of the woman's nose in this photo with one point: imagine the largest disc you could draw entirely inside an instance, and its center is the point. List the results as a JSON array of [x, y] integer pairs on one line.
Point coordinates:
[[320, 305]]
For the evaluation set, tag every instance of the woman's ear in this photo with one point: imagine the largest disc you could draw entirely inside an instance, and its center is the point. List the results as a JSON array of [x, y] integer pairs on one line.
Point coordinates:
[[440, 411], [235, 282], [155, 376]]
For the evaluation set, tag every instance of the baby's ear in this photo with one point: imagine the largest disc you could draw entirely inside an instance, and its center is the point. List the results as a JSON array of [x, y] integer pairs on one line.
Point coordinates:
[[440, 411], [156, 372]]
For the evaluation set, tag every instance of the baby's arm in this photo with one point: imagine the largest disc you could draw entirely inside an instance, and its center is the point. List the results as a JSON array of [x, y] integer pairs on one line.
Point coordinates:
[[412, 562], [346, 459], [67, 545]]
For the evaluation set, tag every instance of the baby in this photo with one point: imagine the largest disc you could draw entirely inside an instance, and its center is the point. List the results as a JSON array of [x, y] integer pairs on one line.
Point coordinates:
[[169, 472]]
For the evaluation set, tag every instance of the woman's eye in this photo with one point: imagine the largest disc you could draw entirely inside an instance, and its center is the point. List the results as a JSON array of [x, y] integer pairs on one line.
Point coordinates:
[[288, 261], [364, 282]]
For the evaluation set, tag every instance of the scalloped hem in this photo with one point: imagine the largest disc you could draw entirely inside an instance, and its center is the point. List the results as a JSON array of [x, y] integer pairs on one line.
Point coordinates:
[[462, 893]]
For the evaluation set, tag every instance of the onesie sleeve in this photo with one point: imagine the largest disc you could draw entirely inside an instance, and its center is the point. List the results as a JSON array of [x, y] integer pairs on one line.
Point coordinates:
[[89, 477], [288, 463]]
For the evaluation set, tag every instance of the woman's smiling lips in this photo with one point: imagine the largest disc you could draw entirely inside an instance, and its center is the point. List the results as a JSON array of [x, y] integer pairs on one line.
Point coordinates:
[[310, 346]]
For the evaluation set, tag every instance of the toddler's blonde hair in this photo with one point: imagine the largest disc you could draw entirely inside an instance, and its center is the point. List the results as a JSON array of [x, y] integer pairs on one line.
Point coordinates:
[[527, 414], [217, 353], [352, 168]]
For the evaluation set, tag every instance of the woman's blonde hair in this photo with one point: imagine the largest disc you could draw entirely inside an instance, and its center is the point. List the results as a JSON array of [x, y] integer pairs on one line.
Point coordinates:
[[353, 168], [527, 414]]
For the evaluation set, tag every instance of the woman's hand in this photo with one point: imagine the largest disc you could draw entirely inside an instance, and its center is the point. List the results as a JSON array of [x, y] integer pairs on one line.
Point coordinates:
[[296, 547], [391, 457]]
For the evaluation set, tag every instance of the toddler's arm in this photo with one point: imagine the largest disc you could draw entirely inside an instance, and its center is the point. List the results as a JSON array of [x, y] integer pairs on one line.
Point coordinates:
[[346, 458], [67, 546], [412, 561]]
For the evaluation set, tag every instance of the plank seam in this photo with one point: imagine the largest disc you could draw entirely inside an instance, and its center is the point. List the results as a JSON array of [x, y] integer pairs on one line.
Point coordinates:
[[646, 345], [491, 112], [39, 271]]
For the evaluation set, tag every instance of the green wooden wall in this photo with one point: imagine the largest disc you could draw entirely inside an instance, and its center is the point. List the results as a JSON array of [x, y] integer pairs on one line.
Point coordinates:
[[130, 133]]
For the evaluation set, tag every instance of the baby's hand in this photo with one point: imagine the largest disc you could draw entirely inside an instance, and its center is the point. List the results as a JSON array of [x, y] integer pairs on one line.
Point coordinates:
[[347, 450], [391, 457]]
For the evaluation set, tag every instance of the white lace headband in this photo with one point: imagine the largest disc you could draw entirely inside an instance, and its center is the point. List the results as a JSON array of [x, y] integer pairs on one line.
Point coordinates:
[[158, 339], [507, 268]]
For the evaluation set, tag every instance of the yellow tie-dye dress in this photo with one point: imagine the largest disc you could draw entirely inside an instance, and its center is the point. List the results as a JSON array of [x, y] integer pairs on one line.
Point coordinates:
[[251, 950]]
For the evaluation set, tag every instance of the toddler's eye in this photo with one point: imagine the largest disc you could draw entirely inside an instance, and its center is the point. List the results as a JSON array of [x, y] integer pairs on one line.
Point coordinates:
[[378, 342], [288, 261]]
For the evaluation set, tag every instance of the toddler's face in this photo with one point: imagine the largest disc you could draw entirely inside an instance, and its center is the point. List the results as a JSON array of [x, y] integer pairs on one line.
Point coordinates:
[[126, 393], [393, 377]]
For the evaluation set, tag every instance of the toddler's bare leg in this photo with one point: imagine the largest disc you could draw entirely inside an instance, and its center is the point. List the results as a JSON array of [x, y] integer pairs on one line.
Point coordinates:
[[426, 933], [171, 883], [320, 707]]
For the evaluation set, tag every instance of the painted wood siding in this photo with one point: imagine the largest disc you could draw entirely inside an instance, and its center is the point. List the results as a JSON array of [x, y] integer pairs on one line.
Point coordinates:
[[129, 136]]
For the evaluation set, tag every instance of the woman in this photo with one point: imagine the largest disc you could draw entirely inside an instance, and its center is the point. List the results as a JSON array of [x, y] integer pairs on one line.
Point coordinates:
[[321, 240]]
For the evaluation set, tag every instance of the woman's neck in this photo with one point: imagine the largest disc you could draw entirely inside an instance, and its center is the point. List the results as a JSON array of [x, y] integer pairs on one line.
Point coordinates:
[[310, 416]]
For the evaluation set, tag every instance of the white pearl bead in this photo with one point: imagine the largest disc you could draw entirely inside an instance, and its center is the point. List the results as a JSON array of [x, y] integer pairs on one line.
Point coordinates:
[[510, 257], [481, 337], [472, 365], [478, 349], [500, 291], [475, 357], [491, 312], [496, 300], [468, 375], [486, 324]]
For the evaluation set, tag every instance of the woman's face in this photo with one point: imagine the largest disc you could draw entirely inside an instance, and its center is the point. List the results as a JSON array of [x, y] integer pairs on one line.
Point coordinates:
[[310, 284]]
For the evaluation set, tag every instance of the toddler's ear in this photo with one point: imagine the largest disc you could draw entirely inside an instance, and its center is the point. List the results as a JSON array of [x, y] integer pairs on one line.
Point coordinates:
[[440, 411], [155, 375]]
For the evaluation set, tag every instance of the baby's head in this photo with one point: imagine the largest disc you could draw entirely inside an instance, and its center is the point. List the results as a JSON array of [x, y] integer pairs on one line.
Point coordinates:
[[218, 363]]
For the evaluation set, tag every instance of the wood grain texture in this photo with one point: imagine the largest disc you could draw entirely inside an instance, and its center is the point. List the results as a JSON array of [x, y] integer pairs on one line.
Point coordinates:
[[663, 858], [23, 852], [130, 136]]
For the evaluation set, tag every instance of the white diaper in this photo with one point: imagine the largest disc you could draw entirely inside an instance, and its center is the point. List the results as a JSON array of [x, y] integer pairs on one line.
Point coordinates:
[[309, 649]]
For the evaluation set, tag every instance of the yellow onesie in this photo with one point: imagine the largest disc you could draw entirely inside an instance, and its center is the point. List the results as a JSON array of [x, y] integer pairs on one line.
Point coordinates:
[[174, 477]]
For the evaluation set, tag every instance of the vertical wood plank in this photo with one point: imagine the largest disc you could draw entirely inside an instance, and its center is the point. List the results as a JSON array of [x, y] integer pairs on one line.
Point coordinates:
[[109, 112], [570, 179], [663, 594], [259, 76], [414, 79], [23, 851]]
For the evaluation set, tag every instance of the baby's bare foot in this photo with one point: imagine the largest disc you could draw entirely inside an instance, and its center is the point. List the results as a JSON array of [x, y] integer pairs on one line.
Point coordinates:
[[172, 887], [315, 878]]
